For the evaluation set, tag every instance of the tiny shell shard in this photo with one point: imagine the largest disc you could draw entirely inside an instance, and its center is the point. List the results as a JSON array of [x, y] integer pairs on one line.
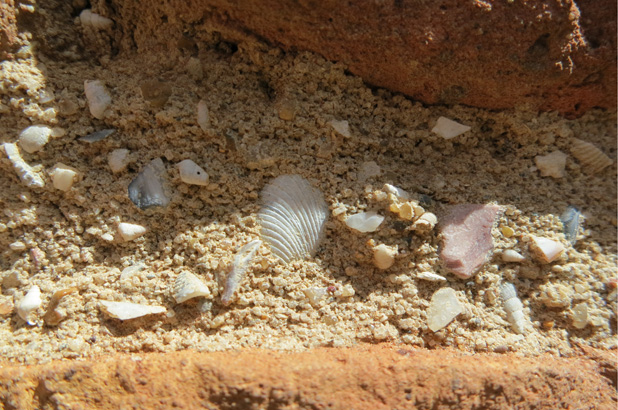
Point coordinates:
[[443, 308], [203, 117], [30, 178], [128, 231], [592, 159], [126, 310], [34, 138], [570, 221], [29, 304], [551, 165], [364, 221], [545, 249], [63, 177], [292, 217], [239, 268], [448, 129], [146, 190], [97, 135], [88, 18], [98, 98], [188, 286], [467, 237], [191, 173]]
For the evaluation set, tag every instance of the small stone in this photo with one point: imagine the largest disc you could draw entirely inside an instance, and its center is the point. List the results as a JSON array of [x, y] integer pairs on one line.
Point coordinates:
[[98, 98], [191, 173], [580, 316], [118, 160], [507, 231], [448, 129], [443, 308], [315, 295], [341, 127], [147, 189], [546, 250], [509, 255], [364, 221], [551, 165], [6, 305], [556, 295], [384, 256], [156, 92], [203, 116], [129, 232], [467, 237], [287, 110], [63, 177], [34, 138]]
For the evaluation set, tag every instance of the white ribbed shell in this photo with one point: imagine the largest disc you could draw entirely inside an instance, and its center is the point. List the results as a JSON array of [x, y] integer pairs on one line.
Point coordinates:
[[292, 217], [592, 159]]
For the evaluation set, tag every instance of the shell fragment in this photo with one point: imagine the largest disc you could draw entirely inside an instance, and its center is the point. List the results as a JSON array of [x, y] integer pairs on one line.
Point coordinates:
[[127, 310]]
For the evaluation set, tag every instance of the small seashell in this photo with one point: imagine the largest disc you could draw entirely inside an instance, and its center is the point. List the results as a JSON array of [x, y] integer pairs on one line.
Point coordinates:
[[30, 178], [191, 173], [570, 221], [448, 129], [398, 192], [242, 261], [545, 249], [592, 159], [425, 223], [443, 308], [364, 221], [34, 138], [63, 177], [551, 165], [431, 277], [29, 304], [98, 98], [292, 217], [118, 160], [513, 308], [384, 256], [188, 286], [97, 135], [203, 117], [126, 310], [54, 314], [88, 18], [128, 231], [146, 190], [509, 255], [341, 127]]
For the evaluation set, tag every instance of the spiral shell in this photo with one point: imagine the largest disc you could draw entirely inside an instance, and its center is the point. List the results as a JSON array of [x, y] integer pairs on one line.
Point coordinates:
[[513, 307], [593, 160], [292, 217]]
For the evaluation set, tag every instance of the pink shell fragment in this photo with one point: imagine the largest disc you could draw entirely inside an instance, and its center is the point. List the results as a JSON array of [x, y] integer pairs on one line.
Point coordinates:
[[467, 237]]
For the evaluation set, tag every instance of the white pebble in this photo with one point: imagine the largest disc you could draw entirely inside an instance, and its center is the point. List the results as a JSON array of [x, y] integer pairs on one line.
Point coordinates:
[[118, 160], [384, 256], [34, 138], [203, 117], [509, 255], [364, 221], [443, 308], [430, 276], [29, 304], [448, 129], [580, 316], [128, 231], [25, 171], [191, 173], [545, 249], [63, 177], [98, 98], [551, 165]]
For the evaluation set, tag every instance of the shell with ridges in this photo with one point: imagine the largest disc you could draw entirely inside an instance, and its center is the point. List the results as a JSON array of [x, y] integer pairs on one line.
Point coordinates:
[[188, 286], [592, 159], [513, 308], [239, 268], [292, 217]]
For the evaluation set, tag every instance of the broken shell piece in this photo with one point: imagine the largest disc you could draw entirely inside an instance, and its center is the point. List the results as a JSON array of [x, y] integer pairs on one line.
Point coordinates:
[[54, 313], [509, 255], [443, 308], [398, 192], [292, 217], [146, 190], [63, 177], [88, 18], [191, 173], [341, 127], [29, 304], [384, 256], [404, 210], [97, 135], [431, 277], [315, 295], [118, 160], [203, 117], [188, 286], [425, 223], [364, 221], [570, 222], [98, 98], [545, 249], [26, 173], [128, 231], [34, 138], [126, 310], [513, 307], [242, 260], [551, 165], [580, 316], [592, 159], [448, 129]]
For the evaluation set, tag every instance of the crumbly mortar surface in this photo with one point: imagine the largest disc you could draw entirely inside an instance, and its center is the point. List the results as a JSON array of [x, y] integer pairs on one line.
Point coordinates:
[[269, 115]]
